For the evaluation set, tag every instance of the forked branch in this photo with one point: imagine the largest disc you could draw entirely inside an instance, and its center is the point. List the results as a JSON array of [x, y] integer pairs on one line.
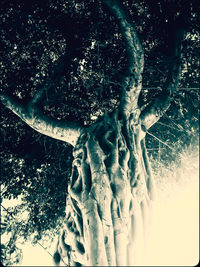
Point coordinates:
[[132, 80], [33, 116], [152, 113]]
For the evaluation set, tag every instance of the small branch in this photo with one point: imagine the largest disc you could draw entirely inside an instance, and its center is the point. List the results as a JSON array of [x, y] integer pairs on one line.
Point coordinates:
[[60, 130], [161, 141], [169, 126], [153, 112], [132, 80]]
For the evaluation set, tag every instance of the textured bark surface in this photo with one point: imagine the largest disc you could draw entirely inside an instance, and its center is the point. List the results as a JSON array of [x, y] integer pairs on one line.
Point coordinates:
[[111, 190], [31, 114], [110, 195]]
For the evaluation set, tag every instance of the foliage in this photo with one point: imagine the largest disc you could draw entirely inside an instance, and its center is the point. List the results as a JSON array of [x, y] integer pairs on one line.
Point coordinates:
[[177, 129], [177, 175], [78, 49], [11, 229]]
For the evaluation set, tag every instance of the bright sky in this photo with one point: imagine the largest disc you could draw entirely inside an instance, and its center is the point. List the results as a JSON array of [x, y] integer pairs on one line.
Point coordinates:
[[174, 239], [175, 235], [36, 256]]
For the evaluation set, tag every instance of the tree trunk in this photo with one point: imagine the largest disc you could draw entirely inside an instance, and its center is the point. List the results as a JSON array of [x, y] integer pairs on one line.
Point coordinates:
[[109, 196], [111, 189]]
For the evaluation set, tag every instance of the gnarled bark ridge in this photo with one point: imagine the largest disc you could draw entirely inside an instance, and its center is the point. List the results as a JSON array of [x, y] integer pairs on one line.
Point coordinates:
[[108, 212], [110, 195], [111, 190]]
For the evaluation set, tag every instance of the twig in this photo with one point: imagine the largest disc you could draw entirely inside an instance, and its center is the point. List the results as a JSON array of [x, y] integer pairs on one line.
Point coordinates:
[[18, 223], [161, 141], [178, 129]]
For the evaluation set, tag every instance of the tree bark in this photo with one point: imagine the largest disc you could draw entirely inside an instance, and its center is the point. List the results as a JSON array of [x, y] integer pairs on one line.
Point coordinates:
[[155, 110], [32, 115], [109, 196], [111, 191]]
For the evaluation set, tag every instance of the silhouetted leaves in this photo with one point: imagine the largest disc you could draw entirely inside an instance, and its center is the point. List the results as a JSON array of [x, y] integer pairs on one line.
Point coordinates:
[[78, 48]]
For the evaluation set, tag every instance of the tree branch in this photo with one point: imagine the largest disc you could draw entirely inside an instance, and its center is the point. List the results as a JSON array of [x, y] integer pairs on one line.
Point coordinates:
[[152, 113], [31, 114], [132, 80]]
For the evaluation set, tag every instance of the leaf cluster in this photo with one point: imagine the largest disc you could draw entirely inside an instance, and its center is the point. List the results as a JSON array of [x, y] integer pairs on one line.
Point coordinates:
[[76, 46]]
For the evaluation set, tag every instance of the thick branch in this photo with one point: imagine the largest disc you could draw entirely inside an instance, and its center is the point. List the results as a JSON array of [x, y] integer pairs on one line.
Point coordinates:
[[152, 113], [132, 79], [65, 131]]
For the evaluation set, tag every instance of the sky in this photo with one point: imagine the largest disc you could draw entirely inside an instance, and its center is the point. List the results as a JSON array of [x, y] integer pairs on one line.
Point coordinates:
[[36, 256], [175, 233], [174, 240]]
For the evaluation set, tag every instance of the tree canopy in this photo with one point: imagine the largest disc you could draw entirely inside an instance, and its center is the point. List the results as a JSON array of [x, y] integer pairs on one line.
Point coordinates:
[[75, 50]]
